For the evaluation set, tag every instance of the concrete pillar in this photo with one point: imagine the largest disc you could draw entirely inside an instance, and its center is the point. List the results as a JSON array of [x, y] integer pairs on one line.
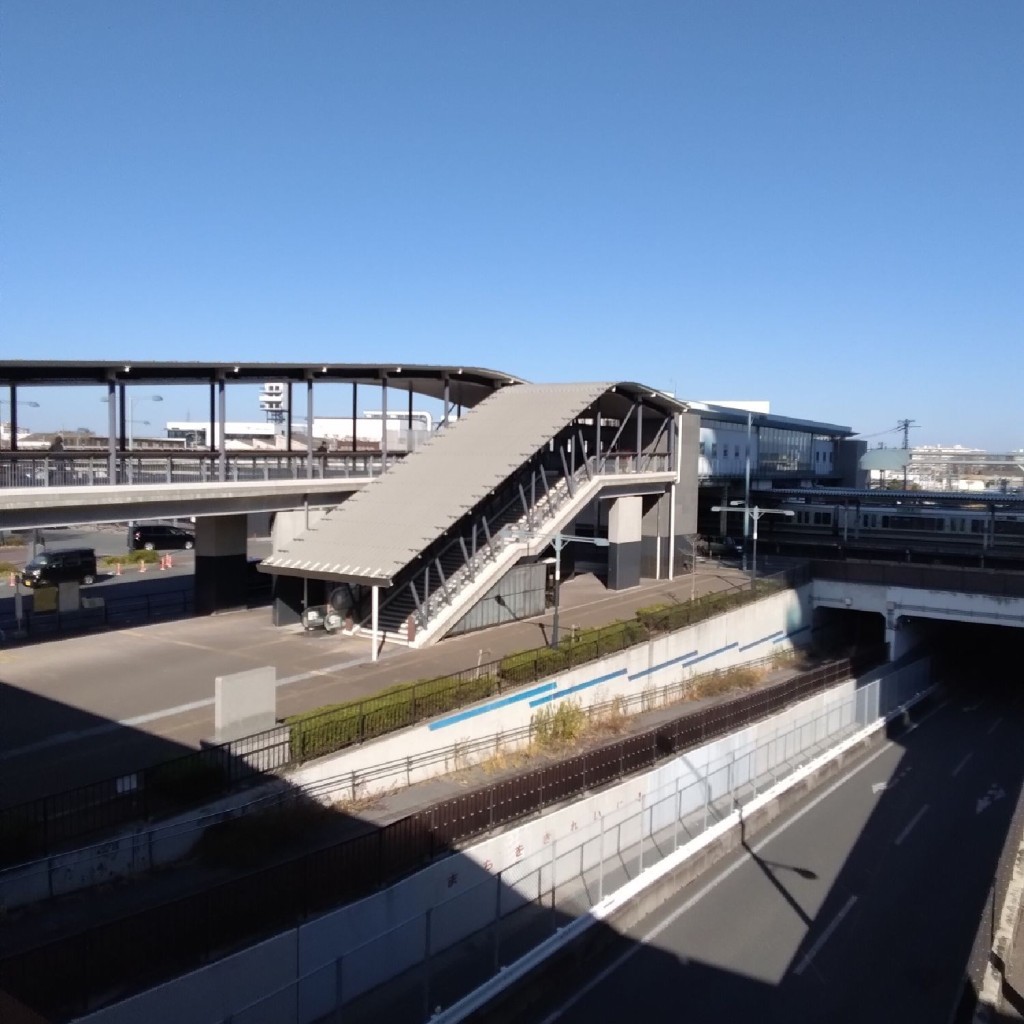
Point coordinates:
[[624, 542], [221, 563], [654, 542]]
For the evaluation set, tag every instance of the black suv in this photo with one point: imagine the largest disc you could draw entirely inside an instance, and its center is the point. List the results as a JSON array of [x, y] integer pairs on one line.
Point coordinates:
[[49, 568], [153, 536]]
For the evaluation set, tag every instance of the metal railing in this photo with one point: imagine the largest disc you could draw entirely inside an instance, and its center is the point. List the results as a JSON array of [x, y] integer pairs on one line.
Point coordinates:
[[67, 976], [66, 469], [996, 582], [38, 827]]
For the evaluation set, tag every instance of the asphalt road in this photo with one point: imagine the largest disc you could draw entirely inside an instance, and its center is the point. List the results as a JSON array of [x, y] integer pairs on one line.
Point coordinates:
[[869, 903]]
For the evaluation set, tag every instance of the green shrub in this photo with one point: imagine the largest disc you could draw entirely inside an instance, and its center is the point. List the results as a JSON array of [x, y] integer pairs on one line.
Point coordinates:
[[132, 558], [325, 730], [8, 567]]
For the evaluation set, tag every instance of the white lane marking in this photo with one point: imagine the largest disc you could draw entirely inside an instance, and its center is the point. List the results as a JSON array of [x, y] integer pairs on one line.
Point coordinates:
[[100, 730], [995, 725], [963, 761], [825, 936], [153, 716], [913, 821], [597, 979]]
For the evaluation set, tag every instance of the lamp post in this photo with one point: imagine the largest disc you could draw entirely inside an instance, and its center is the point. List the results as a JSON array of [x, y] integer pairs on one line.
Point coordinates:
[[558, 542], [131, 411], [7, 402], [755, 515]]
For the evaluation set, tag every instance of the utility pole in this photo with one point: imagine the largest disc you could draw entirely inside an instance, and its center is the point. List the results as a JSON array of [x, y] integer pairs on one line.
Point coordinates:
[[905, 426]]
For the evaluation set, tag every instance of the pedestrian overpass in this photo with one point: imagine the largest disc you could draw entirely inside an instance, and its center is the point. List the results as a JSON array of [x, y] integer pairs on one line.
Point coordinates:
[[409, 555]]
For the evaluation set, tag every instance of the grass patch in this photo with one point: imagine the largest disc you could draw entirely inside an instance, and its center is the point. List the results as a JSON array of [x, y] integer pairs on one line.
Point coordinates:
[[559, 727], [8, 567], [715, 684]]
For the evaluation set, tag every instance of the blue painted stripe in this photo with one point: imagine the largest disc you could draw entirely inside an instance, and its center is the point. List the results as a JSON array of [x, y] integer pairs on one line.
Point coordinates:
[[442, 723], [661, 665], [712, 654], [763, 640], [576, 689]]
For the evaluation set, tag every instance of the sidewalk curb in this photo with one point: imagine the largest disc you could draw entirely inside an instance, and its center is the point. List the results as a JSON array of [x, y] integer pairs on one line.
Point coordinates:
[[990, 994]]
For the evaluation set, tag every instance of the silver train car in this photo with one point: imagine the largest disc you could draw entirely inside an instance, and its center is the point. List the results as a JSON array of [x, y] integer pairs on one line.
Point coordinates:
[[968, 529]]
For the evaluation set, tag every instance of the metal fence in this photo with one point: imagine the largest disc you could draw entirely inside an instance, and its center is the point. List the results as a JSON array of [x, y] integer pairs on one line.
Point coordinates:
[[996, 582], [89, 469], [69, 975], [107, 612], [38, 827]]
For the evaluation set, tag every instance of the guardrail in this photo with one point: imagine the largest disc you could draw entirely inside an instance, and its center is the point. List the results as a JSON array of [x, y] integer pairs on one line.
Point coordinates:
[[41, 826], [67, 976], [994, 582], [66, 469]]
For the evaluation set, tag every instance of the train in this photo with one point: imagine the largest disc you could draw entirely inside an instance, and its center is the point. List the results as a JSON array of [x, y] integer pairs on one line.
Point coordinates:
[[918, 527]]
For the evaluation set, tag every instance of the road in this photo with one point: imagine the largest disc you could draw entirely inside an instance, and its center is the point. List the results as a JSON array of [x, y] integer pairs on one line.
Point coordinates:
[[868, 903]]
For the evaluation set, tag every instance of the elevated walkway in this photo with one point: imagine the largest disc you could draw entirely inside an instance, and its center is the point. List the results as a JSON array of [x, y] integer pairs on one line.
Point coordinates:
[[481, 495]]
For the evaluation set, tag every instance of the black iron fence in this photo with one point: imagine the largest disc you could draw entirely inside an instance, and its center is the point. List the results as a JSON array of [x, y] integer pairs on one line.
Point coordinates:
[[107, 962], [39, 827]]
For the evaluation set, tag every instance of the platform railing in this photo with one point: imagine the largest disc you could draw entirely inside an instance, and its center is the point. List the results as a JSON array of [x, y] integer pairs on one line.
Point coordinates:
[[67, 469]]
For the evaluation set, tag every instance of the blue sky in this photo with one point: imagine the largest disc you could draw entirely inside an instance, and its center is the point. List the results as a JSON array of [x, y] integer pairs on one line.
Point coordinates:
[[818, 203]]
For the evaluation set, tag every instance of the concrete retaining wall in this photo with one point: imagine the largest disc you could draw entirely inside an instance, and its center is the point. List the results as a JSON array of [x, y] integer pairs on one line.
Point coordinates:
[[353, 949], [777, 623]]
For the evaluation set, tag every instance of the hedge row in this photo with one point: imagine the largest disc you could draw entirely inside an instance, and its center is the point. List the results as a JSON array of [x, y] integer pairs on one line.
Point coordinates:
[[336, 726]]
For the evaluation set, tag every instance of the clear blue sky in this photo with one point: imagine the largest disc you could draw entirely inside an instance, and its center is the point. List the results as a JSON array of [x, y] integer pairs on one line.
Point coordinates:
[[819, 203]]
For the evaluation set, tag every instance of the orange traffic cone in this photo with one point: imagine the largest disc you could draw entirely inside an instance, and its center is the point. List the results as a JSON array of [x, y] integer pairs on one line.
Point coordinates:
[[142, 565], [163, 562], [11, 580], [170, 562], [117, 569]]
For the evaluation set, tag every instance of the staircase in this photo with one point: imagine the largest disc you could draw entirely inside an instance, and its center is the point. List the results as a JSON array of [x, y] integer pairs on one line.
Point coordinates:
[[441, 592]]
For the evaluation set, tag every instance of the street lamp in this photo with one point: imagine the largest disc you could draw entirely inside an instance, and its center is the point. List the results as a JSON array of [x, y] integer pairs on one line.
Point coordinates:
[[3, 402], [131, 411], [558, 542], [755, 514]]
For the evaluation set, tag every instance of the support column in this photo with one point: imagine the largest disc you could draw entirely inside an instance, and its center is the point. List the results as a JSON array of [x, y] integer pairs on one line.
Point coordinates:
[[221, 563], [309, 428], [122, 411], [13, 397], [624, 543], [374, 621], [355, 398], [288, 414], [222, 423], [447, 401], [384, 424], [111, 432]]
